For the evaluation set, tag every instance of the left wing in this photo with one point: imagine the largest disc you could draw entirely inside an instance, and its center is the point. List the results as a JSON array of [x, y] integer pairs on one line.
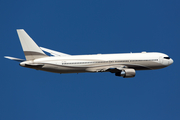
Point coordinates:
[[122, 70], [112, 69]]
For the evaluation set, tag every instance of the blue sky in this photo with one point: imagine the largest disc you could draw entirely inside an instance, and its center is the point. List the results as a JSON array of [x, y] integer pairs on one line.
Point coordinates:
[[90, 27]]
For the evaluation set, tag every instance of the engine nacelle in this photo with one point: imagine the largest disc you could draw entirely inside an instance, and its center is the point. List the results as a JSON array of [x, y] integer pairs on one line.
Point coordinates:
[[126, 73]]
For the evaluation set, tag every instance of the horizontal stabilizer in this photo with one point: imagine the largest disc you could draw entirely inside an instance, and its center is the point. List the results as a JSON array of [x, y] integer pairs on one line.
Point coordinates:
[[15, 59], [54, 53]]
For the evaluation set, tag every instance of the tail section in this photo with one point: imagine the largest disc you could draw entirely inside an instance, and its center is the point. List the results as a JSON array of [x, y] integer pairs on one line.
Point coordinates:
[[30, 48], [15, 59]]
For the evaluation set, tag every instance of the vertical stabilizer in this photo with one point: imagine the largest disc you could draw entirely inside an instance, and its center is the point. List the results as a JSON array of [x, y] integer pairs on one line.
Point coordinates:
[[30, 48]]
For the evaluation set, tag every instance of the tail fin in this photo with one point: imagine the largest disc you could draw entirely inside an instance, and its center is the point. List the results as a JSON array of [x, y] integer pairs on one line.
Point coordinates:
[[30, 48]]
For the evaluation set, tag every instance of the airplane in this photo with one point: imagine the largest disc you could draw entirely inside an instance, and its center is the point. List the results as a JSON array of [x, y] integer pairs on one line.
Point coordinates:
[[124, 64]]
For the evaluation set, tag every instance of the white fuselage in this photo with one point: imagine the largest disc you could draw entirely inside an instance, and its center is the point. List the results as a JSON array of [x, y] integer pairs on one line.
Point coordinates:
[[124, 65], [101, 62]]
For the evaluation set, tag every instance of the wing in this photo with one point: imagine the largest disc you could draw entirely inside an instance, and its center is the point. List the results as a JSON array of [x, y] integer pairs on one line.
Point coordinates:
[[54, 53], [122, 70], [112, 69]]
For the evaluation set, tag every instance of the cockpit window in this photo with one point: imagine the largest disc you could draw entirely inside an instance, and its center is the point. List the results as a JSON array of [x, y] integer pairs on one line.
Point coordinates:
[[166, 57]]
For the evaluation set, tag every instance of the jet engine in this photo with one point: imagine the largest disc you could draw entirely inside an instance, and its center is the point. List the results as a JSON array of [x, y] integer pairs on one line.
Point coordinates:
[[126, 73]]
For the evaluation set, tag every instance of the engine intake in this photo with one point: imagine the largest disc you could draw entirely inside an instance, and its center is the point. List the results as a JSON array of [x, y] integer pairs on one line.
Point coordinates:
[[126, 73]]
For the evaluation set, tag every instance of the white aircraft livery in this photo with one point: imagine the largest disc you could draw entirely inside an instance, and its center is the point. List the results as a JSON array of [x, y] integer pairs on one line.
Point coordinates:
[[123, 65]]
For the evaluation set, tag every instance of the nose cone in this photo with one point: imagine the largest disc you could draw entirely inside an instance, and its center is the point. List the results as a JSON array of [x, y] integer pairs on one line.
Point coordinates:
[[171, 61]]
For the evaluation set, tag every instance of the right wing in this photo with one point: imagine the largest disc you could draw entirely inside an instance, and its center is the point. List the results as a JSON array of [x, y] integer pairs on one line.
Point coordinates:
[[54, 53]]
